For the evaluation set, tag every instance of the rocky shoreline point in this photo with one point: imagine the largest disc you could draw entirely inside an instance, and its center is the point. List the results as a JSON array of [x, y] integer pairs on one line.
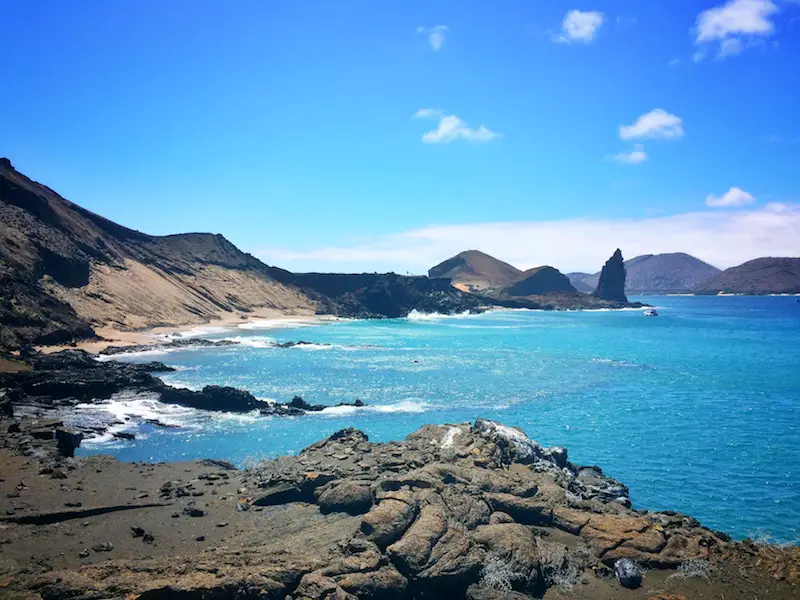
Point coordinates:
[[51, 385], [475, 511]]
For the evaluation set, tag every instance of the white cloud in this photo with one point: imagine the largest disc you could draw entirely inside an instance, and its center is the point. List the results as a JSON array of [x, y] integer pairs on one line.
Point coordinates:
[[730, 47], [722, 238], [733, 197], [657, 123], [451, 128], [436, 35], [580, 26], [735, 23], [634, 157], [674, 62], [428, 113]]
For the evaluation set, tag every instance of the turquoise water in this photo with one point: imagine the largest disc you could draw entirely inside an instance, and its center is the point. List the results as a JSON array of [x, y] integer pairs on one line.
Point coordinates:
[[697, 410]]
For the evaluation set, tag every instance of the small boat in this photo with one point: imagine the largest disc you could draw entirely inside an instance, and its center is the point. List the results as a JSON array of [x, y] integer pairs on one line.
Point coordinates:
[[650, 312]]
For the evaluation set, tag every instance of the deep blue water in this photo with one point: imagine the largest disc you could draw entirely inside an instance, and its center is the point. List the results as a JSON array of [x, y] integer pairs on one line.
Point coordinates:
[[697, 410]]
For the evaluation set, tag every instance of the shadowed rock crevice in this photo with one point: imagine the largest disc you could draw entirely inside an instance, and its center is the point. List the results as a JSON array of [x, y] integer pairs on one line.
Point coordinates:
[[67, 515]]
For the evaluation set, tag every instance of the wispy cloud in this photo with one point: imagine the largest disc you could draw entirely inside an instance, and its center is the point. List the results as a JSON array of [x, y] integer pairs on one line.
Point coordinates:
[[452, 128], [580, 26], [657, 124], [674, 62], [634, 157], [723, 238], [734, 25], [429, 113], [733, 197], [437, 35]]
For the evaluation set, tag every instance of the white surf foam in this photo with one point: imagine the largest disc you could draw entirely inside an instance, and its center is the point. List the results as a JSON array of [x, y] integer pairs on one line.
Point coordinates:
[[131, 409], [160, 351], [317, 347], [416, 315], [201, 331], [253, 342], [154, 352], [409, 405], [143, 406], [613, 362], [285, 322]]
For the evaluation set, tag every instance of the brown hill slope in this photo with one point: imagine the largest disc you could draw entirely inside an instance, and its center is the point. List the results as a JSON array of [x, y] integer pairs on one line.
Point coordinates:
[[760, 276], [64, 269], [475, 270]]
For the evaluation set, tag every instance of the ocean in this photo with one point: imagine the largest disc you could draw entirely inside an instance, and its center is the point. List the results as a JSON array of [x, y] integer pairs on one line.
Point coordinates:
[[697, 410]]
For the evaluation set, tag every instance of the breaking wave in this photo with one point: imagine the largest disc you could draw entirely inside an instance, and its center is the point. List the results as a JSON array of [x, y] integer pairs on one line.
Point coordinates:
[[416, 315], [409, 405]]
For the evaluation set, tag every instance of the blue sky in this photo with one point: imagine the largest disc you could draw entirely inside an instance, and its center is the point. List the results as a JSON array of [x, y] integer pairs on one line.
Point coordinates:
[[547, 132]]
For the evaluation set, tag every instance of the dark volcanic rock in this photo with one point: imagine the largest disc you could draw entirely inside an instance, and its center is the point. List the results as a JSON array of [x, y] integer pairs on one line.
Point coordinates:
[[346, 497], [7, 402], [612, 280], [212, 397], [379, 295], [67, 441], [299, 403], [63, 379], [628, 573], [540, 281], [299, 343], [174, 344], [416, 519]]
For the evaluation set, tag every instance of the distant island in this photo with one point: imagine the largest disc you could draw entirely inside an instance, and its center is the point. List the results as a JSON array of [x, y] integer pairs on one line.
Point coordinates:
[[759, 276], [648, 274], [676, 273], [545, 287]]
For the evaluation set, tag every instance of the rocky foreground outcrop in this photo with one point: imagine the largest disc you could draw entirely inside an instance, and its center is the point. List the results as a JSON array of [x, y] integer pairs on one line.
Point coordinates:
[[455, 511]]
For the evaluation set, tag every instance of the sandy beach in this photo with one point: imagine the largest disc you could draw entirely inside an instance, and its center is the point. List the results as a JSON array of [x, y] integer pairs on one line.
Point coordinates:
[[258, 319]]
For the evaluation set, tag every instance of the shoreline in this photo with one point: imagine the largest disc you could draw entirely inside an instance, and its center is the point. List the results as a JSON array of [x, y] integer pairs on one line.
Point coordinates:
[[232, 322], [111, 336]]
